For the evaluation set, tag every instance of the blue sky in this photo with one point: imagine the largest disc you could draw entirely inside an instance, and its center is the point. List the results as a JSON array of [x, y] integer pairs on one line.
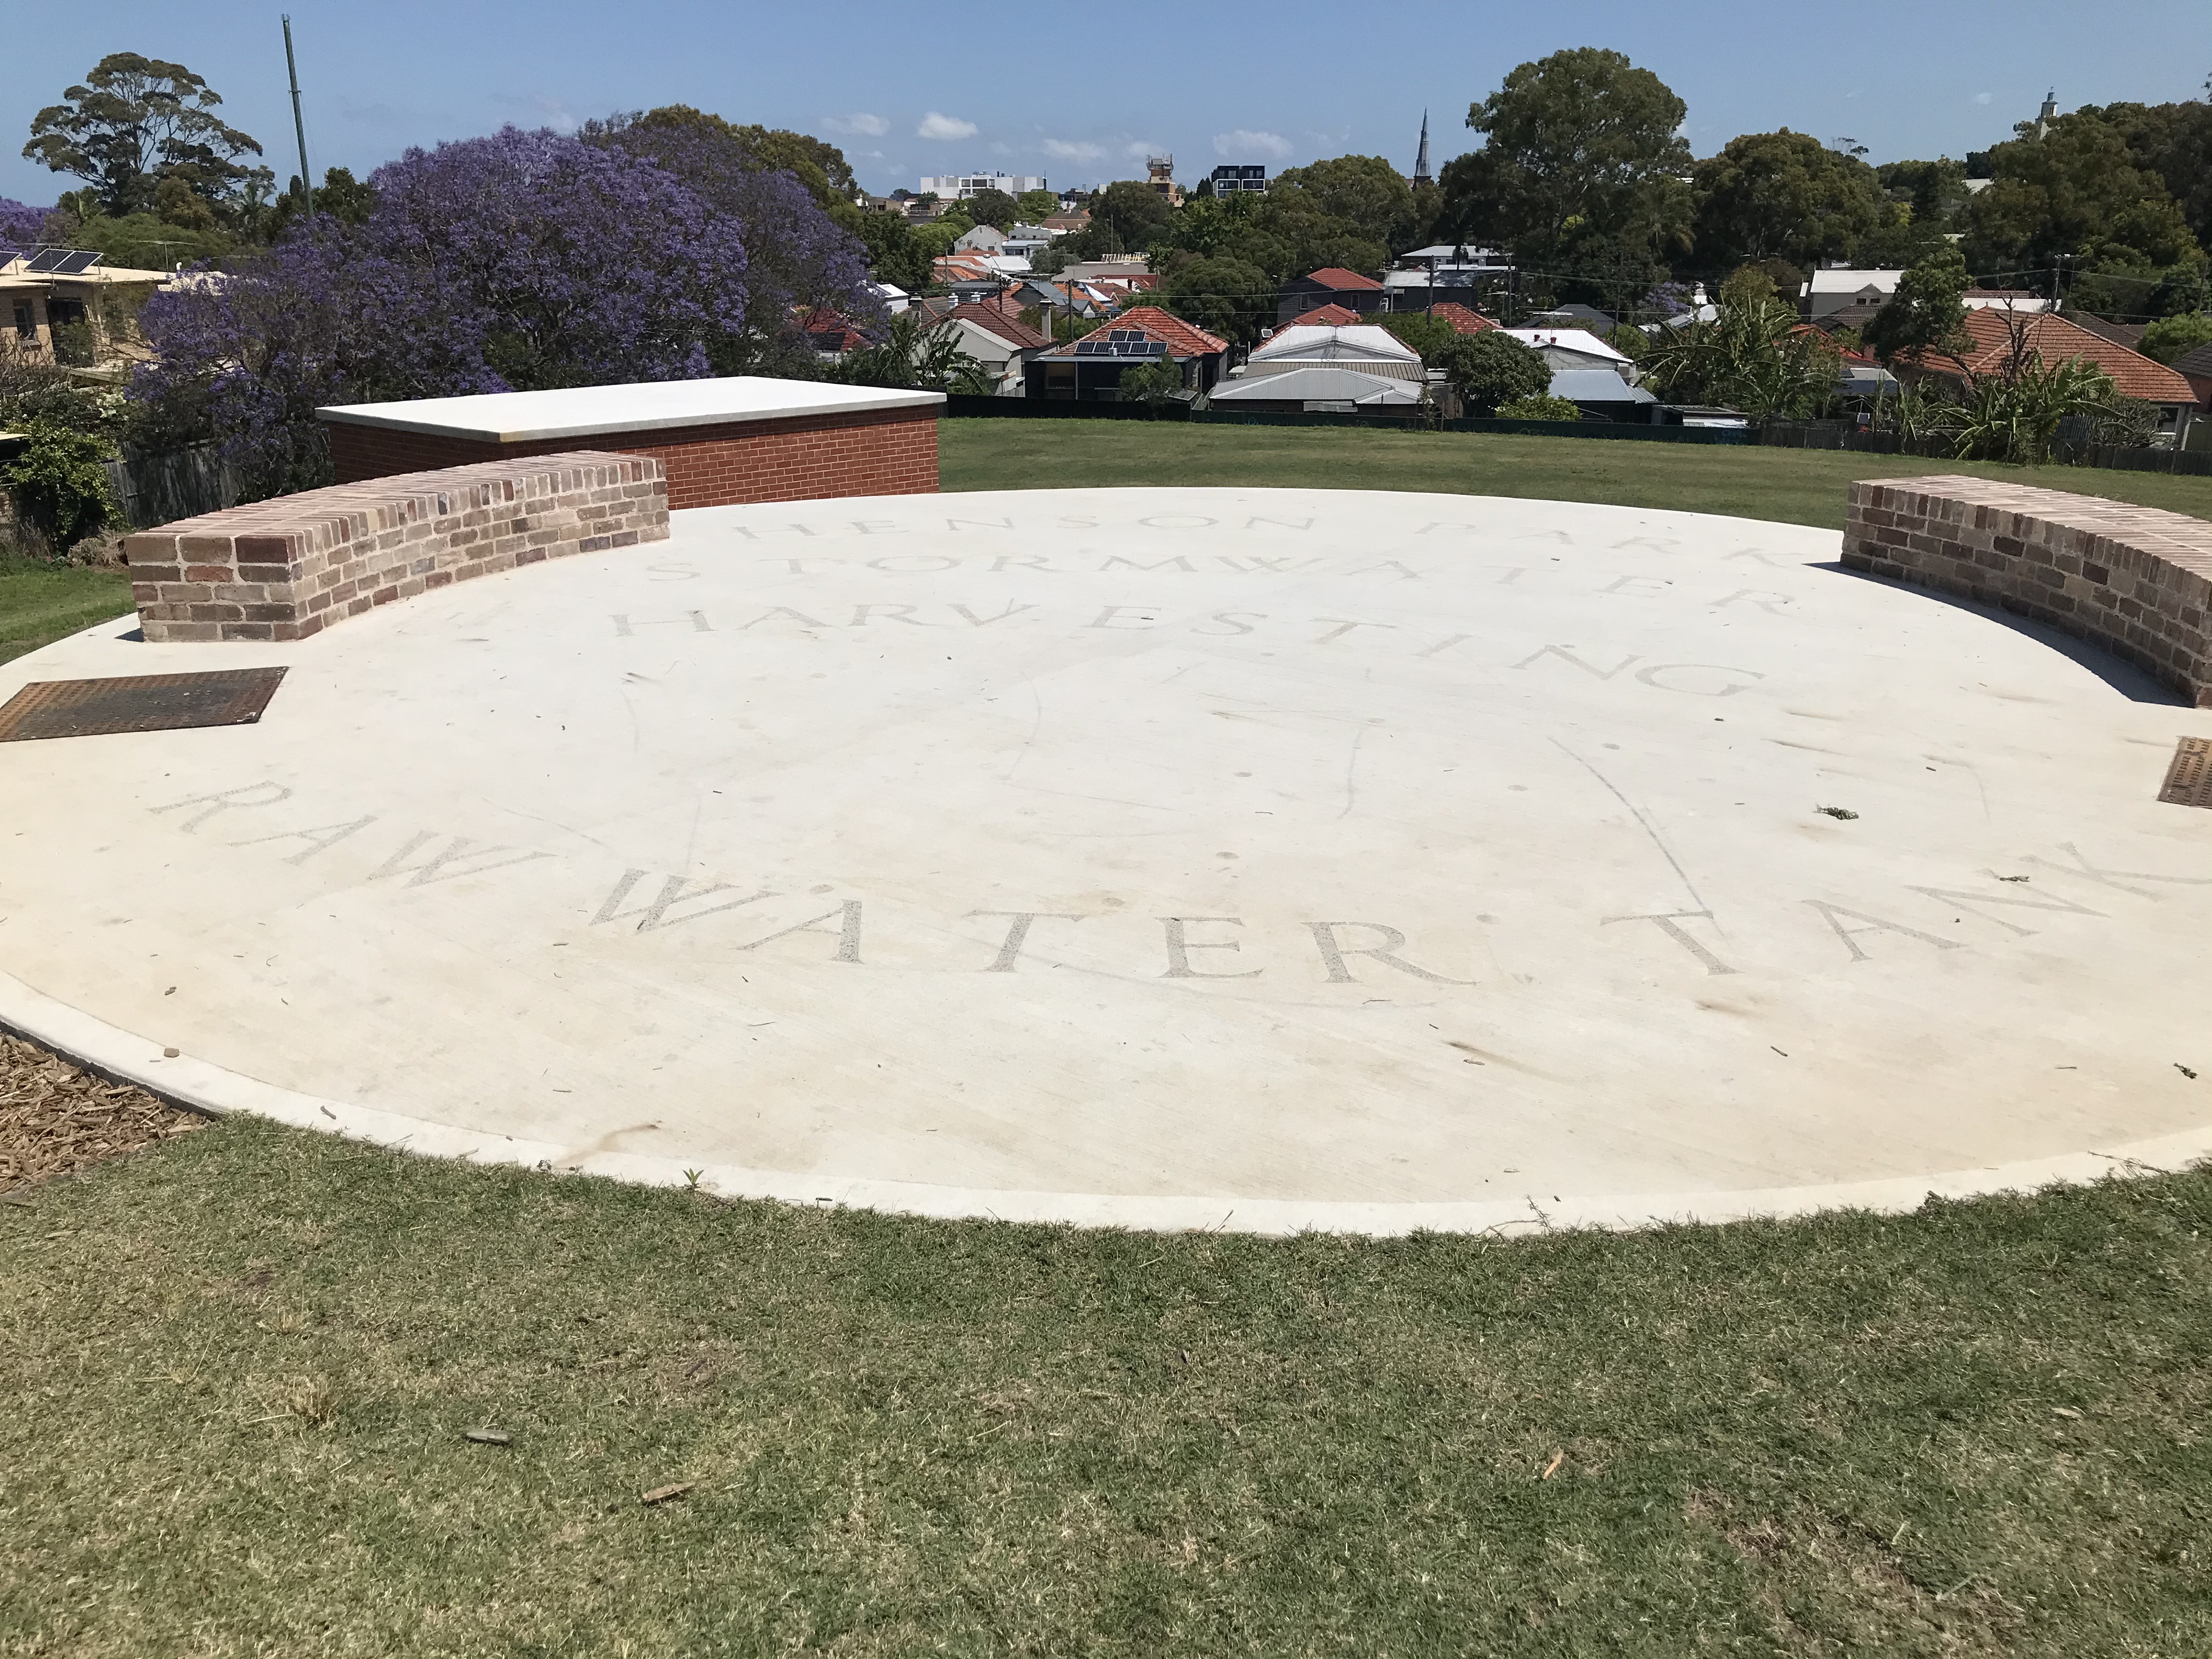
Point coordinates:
[[915, 88]]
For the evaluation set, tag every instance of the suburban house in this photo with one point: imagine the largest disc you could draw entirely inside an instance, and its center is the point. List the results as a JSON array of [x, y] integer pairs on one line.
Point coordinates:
[[43, 290], [1091, 368], [2195, 366], [1603, 395], [1327, 368], [983, 239], [1998, 337], [1370, 348], [1427, 275], [1849, 299], [1003, 344], [1463, 319], [1319, 389], [830, 333], [1577, 348], [1328, 316], [1331, 285]]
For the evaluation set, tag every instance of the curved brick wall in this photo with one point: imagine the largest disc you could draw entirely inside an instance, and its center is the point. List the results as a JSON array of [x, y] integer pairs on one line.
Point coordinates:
[[2133, 579], [285, 569]]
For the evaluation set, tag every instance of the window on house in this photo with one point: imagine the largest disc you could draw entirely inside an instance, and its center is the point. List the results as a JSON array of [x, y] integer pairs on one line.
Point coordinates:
[[26, 324]]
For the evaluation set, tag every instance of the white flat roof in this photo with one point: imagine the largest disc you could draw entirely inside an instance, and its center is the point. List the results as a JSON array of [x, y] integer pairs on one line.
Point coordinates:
[[586, 411]]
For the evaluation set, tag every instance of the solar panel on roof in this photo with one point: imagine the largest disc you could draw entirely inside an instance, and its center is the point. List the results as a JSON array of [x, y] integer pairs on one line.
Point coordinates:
[[46, 258], [75, 264]]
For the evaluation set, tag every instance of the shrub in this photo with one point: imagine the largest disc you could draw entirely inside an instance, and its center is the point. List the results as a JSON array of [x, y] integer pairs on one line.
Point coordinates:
[[61, 484], [1543, 407]]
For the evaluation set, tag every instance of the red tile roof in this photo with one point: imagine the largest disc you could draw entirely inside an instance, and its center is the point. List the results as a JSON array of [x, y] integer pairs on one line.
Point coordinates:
[[1169, 329], [992, 320], [1337, 277], [1461, 320], [2057, 341], [829, 331], [1325, 317]]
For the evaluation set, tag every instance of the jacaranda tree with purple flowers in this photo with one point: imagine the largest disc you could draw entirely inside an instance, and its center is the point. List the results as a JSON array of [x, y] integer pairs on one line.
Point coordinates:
[[801, 259], [20, 224], [513, 262]]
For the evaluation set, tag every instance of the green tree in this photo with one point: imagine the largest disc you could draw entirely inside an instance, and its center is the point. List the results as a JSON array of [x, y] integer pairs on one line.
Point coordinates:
[[143, 241], [894, 254], [1223, 295], [1493, 367], [1223, 226], [2075, 192], [1925, 315], [1582, 171], [1124, 217], [135, 121], [1037, 205], [2169, 337], [1425, 334], [1784, 195], [915, 353], [1931, 193], [2174, 141], [818, 165], [1755, 356], [993, 208], [1365, 194]]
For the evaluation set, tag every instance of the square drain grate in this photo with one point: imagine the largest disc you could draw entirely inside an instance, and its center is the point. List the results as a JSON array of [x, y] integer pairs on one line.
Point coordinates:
[[2189, 780], [142, 702]]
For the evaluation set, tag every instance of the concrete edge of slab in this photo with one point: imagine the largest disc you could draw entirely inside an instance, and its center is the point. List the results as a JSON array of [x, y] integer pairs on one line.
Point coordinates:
[[200, 1086]]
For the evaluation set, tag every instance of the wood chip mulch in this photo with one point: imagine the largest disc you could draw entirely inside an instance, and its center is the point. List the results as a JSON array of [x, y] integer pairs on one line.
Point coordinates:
[[56, 1120]]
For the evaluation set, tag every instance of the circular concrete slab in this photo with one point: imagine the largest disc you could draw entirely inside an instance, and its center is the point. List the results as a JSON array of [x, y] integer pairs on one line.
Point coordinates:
[[1256, 859]]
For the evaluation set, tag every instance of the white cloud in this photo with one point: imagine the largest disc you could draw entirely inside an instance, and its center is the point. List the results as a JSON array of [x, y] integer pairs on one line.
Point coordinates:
[[1138, 150], [934, 125], [1064, 150], [860, 124], [1982, 97], [1243, 142]]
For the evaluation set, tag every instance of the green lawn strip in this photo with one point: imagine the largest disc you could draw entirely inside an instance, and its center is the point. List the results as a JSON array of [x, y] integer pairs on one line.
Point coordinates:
[[1974, 1430], [1797, 486], [40, 602]]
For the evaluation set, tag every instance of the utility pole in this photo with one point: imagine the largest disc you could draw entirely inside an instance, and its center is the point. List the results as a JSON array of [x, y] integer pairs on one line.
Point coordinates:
[[300, 131]]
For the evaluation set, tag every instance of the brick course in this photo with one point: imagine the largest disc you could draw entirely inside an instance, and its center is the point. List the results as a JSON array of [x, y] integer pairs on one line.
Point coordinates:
[[288, 568], [878, 452], [2135, 579]]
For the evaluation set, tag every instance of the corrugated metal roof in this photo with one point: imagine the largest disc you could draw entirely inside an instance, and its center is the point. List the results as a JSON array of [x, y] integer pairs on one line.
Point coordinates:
[[1318, 385]]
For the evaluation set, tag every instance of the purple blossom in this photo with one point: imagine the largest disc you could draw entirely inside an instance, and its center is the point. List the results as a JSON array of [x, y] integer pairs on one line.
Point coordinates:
[[802, 260], [20, 224], [516, 262]]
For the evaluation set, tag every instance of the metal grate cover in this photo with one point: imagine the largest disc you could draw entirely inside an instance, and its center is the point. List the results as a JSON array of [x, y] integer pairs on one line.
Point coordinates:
[[2189, 780], [141, 702]]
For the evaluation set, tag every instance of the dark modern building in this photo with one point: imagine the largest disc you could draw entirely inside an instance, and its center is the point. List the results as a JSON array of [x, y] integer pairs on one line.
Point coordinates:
[[1234, 180]]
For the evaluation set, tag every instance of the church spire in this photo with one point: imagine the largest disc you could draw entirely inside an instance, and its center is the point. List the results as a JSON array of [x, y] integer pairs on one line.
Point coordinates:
[[1421, 161]]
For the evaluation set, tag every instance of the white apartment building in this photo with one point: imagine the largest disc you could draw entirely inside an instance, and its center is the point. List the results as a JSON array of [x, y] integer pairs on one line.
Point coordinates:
[[958, 187]]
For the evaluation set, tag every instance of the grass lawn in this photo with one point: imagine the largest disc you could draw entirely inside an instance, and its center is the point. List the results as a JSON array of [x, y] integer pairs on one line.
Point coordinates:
[[1797, 486], [236, 1373], [239, 1367], [40, 602]]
